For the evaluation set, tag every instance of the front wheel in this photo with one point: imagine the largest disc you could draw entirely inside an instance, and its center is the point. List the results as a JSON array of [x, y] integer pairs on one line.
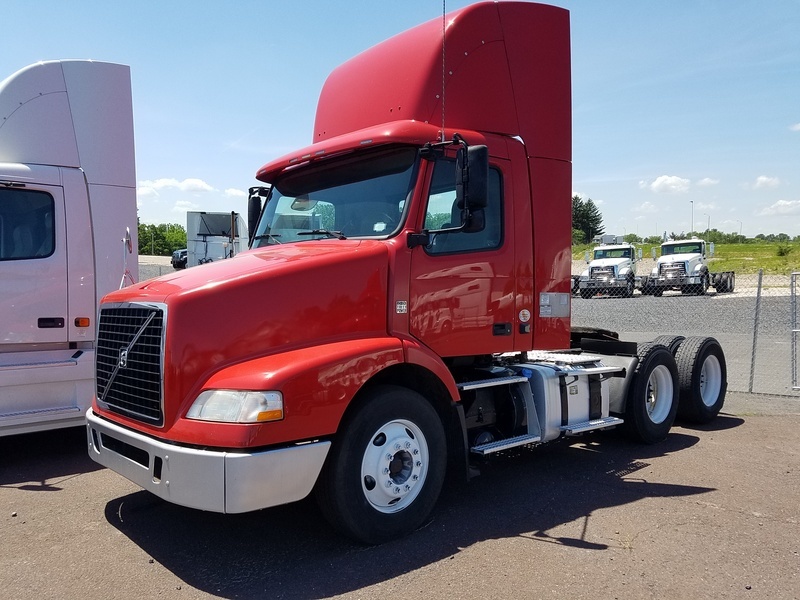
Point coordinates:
[[653, 395], [386, 467], [702, 379]]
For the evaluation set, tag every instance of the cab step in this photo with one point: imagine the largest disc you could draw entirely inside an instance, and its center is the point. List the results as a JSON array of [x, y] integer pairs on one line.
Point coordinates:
[[506, 444], [583, 427], [484, 383]]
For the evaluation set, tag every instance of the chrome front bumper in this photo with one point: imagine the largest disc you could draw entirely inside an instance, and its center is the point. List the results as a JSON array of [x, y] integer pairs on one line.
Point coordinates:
[[218, 481]]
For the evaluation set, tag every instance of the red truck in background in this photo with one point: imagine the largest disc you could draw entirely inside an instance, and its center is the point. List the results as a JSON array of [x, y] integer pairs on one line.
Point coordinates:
[[404, 307]]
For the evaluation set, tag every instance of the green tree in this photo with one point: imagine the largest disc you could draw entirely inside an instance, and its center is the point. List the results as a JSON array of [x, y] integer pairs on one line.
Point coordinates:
[[586, 217], [161, 240]]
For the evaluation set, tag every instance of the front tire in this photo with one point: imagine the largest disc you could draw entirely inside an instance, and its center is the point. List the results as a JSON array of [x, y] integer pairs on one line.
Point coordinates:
[[386, 467], [702, 379], [653, 395]]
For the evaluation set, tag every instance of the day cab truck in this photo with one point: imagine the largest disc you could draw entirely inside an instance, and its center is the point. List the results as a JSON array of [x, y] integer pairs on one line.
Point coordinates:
[[318, 360], [683, 265], [213, 236], [67, 233], [611, 271]]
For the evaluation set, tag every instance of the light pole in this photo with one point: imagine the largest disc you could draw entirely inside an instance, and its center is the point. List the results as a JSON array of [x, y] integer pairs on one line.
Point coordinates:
[[708, 226], [691, 224], [740, 228]]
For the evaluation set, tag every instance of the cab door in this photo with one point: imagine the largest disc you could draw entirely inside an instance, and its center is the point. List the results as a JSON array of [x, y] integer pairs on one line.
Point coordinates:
[[33, 267], [462, 285]]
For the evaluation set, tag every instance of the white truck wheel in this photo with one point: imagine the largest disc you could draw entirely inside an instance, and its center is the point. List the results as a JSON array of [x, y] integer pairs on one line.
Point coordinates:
[[702, 379], [386, 467], [653, 395]]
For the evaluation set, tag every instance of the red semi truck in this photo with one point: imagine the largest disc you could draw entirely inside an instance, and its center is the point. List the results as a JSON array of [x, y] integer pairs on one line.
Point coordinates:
[[404, 307]]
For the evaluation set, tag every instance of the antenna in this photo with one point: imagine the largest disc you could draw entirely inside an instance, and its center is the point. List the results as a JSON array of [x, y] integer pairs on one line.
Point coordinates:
[[444, 10]]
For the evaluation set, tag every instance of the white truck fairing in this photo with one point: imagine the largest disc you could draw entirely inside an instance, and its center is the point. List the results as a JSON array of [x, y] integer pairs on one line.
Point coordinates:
[[67, 199]]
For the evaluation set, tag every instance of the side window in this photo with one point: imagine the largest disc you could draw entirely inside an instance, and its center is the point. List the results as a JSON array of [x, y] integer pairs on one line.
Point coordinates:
[[27, 227], [442, 213]]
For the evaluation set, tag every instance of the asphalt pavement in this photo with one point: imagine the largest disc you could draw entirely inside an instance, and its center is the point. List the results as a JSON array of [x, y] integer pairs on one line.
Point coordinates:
[[712, 512]]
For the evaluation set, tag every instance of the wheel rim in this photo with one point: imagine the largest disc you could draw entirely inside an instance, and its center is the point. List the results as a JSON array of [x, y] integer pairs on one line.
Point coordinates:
[[394, 466], [710, 380], [659, 394]]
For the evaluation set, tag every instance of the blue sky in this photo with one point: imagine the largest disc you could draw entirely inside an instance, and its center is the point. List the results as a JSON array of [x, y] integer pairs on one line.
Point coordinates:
[[681, 109]]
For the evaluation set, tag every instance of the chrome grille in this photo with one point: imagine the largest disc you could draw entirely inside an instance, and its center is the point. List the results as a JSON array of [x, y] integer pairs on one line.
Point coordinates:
[[677, 269], [602, 273], [129, 351]]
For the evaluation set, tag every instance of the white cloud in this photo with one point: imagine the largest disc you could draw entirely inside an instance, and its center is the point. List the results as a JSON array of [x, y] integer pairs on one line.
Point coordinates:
[[667, 184], [152, 187], [646, 207], [707, 181], [795, 127], [781, 207], [234, 193], [704, 206], [766, 182], [181, 206]]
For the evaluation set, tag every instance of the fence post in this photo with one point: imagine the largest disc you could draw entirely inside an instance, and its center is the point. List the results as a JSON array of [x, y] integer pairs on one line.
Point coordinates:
[[795, 330], [755, 330]]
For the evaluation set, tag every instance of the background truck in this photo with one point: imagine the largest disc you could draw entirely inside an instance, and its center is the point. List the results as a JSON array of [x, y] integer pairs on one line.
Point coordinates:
[[213, 236], [683, 265], [611, 271], [67, 232], [404, 308]]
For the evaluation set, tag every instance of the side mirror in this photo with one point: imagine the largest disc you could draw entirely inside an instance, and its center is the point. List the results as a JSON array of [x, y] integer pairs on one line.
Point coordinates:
[[653, 252], [711, 250], [639, 253], [472, 177], [586, 256], [254, 208]]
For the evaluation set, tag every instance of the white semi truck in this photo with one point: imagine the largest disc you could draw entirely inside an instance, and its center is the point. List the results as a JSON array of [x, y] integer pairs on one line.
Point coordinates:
[[683, 265], [214, 236], [612, 271], [67, 232]]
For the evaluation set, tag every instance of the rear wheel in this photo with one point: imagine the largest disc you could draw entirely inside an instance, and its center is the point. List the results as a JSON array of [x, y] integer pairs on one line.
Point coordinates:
[[653, 395], [702, 379], [386, 467], [586, 294], [630, 285], [672, 342]]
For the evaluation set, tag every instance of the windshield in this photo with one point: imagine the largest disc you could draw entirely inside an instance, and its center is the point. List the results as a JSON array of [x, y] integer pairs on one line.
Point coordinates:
[[687, 248], [612, 253], [360, 196]]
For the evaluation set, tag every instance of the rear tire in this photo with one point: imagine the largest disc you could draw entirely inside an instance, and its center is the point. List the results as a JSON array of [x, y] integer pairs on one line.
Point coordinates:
[[586, 294], [702, 379], [653, 395], [386, 467], [672, 342]]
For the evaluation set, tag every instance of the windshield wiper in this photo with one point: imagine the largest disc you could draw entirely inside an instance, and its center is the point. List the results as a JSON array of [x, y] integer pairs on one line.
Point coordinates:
[[326, 232], [271, 236]]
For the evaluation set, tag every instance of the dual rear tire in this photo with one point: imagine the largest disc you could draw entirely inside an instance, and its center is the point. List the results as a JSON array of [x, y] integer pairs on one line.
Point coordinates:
[[675, 377]]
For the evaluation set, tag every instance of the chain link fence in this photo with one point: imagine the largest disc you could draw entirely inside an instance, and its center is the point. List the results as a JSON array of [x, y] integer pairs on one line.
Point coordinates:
[[756, 323], [754, 317]]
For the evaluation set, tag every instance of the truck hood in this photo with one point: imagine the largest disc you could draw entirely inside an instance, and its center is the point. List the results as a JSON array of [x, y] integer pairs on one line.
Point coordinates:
[[265, 301], [673, 258], [609, 262]]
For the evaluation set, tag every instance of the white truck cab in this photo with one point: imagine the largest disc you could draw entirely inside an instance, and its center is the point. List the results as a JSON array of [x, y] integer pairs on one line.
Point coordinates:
[[67, 232], [611, 270], [683, 265]]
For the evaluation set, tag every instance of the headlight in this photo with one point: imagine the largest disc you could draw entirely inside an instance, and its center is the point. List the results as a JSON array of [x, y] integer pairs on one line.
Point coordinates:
[[237, 406]]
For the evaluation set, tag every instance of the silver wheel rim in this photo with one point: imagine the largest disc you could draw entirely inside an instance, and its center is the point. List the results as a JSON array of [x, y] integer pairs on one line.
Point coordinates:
[[710, 380], [659, 394], [394, 466]]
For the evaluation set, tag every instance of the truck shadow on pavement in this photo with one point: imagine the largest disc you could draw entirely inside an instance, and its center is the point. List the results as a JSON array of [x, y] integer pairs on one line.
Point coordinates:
[[37, 461], [291, 552]]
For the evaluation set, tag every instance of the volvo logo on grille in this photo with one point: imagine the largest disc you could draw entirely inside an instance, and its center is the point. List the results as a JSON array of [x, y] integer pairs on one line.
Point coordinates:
[[123, 358]]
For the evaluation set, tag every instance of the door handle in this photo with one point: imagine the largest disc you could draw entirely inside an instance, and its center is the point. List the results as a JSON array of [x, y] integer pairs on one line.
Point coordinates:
[[51, 322], [501, 329]]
